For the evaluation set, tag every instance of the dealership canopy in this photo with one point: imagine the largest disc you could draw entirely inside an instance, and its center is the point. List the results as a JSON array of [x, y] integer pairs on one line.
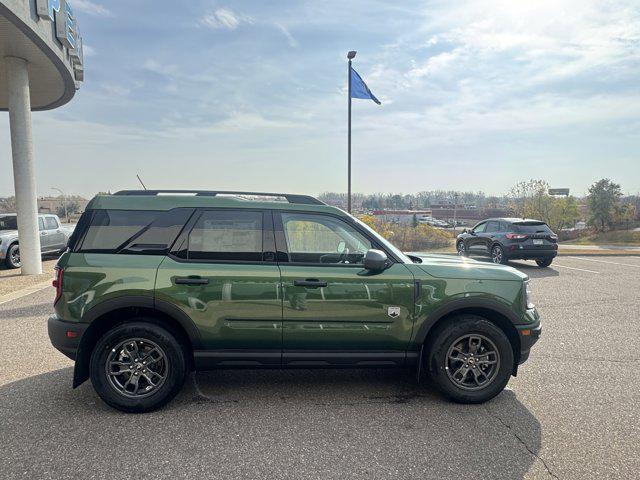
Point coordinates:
[[41, 67]]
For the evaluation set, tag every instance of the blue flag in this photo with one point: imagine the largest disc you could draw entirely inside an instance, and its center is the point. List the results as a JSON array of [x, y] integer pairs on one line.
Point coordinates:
[[359, 89]]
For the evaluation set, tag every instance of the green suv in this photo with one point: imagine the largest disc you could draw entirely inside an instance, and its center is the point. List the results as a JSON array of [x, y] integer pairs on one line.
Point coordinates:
[[156, 284]]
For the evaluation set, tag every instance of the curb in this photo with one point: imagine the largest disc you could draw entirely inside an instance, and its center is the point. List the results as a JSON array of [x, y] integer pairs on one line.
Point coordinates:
[[24, 292]]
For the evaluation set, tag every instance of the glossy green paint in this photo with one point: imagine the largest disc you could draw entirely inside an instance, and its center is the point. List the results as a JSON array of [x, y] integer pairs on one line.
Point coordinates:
[[351, 312], [92, 278], [445, 279], [240, 307], [257, 307]]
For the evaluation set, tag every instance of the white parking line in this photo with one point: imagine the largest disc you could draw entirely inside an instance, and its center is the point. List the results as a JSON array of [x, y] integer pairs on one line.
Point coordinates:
[[574, 268], [604, 261]]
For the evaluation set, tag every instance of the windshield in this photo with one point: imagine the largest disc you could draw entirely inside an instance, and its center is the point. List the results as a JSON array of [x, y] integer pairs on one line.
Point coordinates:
[[8, 222], [531, 227], [389, 246]]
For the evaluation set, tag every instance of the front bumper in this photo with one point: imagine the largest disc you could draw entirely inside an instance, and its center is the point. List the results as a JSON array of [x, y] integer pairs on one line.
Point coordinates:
[[529, 334], [65, 336]]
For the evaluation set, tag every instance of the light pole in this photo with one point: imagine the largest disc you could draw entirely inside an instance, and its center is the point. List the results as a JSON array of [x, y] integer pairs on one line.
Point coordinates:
[[64, 203], [455, 213], [350, 56]]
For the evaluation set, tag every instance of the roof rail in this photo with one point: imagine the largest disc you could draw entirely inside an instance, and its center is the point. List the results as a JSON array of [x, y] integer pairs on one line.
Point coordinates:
[[291, 198]]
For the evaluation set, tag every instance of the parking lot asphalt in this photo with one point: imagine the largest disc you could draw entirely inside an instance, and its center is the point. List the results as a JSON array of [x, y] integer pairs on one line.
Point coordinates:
[[572, 412]]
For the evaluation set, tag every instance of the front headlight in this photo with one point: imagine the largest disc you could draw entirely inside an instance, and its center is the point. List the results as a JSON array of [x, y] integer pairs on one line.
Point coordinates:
[[528, 298]]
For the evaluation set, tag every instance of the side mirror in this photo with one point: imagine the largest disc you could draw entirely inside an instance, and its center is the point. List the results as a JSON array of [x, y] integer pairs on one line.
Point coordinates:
[[464, 230], [375, 260]]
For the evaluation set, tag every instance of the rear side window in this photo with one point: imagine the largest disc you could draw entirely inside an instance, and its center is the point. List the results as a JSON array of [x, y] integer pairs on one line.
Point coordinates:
[[226, 235], [133, 231], [52, 223], [493, 227], [532, 227]]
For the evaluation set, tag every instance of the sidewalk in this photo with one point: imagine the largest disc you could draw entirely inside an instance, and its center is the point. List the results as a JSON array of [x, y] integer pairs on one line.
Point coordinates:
[[625, 248], [12, 281]]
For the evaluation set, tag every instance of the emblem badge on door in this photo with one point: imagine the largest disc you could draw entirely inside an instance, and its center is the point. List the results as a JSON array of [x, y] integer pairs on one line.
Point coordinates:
[[393, 312]]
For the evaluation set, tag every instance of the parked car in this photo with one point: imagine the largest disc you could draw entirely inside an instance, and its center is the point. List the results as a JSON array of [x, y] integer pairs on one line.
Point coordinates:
[[53, 237], [505, 239], [155, 285]]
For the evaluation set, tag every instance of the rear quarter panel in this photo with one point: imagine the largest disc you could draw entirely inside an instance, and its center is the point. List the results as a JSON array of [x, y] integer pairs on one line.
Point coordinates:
[[92, 278]]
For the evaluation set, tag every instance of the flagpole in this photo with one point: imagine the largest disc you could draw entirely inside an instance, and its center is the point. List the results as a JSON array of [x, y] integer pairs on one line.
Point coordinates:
[[350, 56]]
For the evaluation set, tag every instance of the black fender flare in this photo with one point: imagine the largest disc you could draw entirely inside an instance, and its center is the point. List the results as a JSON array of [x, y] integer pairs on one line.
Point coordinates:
[[83, 353], [461, 304]]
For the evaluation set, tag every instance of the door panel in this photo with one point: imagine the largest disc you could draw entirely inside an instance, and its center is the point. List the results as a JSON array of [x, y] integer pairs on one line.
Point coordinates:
[[476, 242], [55, 236], [239, 308], [351, 314], [219, 275], [45, 239]]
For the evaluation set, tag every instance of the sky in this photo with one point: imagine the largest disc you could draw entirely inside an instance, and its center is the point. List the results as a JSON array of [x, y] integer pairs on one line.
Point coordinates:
[[252, 95]]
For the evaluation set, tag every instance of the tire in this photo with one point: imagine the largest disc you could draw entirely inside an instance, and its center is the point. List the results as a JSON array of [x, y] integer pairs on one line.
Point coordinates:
[[498, 256], [478, 384], [462, 249], [13, 256], [545, 262], [165, 366]]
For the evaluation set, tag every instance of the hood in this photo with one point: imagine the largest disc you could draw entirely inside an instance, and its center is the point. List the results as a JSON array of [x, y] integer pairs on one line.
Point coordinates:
[[454, 266]]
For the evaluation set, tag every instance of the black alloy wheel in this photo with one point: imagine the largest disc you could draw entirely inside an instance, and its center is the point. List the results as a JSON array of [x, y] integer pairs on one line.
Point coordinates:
[[469, 359], [138, 366]]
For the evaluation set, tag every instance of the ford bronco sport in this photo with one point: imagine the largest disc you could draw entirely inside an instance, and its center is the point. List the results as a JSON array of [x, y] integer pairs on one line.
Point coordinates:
[[156, 284]]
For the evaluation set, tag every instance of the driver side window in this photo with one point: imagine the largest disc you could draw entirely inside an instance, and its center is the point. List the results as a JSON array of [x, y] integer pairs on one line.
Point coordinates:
[[323, 239], [480, 228]]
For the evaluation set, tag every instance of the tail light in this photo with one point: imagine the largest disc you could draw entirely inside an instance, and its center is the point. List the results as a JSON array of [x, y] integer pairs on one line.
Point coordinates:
[[516, 236], [57, 283]]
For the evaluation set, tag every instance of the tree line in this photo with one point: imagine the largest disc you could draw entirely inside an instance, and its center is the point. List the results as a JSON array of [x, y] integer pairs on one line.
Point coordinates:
[[607, 206]]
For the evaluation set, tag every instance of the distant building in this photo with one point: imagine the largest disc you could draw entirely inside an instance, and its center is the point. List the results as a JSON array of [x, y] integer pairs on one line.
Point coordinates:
[[402, 217]]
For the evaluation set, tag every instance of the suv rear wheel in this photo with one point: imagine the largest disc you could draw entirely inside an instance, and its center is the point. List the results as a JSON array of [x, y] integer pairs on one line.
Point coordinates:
[[544, 262], [470, 359], [498, 256], [138, 366]]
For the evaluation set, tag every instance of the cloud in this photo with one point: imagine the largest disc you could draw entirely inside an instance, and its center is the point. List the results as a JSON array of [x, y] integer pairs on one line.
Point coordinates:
[[290, 39], [91, 8], [224, 18]]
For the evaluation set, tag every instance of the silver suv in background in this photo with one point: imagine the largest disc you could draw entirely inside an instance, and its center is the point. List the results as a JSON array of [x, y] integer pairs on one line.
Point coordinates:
[[53, 237]]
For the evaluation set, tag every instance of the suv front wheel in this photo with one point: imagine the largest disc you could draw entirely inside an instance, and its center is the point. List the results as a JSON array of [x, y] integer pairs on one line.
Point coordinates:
[[138, 367], [470, 359], [13, 256]]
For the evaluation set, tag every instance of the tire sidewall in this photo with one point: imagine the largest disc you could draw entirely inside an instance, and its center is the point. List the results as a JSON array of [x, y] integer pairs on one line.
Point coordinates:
[[463, 252], [8, 260], [504, 259], [453, 330], [544, 262], [138, 329]]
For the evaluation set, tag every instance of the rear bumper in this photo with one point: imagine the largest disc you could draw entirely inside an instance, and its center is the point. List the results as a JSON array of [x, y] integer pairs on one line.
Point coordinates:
[[65, 336], [524, 253], [529, 335]]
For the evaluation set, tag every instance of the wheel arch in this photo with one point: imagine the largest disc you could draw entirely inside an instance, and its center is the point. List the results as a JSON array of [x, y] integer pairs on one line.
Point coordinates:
[[110, 313], [498, 314]]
